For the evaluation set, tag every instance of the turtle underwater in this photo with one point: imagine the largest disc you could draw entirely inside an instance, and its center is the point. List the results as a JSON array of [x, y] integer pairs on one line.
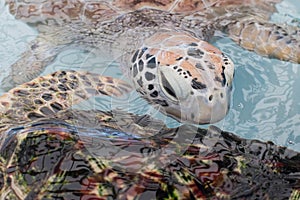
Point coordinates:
[[162, 45], [51, 151]]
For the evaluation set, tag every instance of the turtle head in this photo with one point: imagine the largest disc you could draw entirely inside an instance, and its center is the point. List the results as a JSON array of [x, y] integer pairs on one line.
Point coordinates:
[[191, 80]]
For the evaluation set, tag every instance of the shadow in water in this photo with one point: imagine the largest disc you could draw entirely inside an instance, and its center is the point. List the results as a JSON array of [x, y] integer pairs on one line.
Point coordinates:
[[54, 159]]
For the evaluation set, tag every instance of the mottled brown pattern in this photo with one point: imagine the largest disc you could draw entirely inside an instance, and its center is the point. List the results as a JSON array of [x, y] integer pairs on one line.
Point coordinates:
[[282, 41], [43, 96], [138, 4], [45, 156], [32, 11], [215, 165]]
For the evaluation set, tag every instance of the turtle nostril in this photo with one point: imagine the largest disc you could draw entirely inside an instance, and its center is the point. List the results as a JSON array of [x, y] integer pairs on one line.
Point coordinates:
[[221, 95], [210, 97]]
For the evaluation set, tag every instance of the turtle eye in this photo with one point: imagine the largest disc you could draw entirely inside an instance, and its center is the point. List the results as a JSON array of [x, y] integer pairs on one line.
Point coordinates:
[[173, 86], [168, 89]]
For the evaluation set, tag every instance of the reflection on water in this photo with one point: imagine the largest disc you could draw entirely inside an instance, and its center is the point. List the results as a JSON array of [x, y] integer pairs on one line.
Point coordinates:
[[56, 160], [60, 159], [265, 99]]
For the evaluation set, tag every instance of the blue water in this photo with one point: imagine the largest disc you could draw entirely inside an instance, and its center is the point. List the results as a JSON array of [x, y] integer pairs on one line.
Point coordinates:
[[266, 96]]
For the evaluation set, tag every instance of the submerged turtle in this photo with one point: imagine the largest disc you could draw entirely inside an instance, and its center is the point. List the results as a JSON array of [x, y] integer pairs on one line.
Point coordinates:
[[45, 155], [160, 44]]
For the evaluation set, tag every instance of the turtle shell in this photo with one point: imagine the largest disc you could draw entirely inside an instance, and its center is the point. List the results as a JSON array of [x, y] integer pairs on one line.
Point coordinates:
[[90, 11], [54, 159]]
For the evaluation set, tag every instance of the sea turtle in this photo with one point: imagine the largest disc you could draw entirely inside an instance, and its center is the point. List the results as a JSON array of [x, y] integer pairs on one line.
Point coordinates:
[[160, 44], [45, 155]]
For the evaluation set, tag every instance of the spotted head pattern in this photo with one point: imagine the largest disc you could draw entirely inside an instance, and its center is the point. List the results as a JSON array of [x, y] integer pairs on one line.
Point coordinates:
[[189, 78]]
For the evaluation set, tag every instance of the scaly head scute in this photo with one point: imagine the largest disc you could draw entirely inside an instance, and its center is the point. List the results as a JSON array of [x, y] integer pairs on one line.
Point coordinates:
[[189, 78]]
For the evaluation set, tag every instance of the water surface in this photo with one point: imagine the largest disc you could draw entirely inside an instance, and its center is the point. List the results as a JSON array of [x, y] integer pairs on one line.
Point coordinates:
[[266, 96]]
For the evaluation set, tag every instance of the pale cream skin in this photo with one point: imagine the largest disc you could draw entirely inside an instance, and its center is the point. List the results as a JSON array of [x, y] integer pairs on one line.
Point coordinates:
[[190, 78]]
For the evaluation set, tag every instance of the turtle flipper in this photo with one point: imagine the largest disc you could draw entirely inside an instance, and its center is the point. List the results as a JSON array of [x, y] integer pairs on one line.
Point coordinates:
[[32, 62], [139, 125], [267, 39], [46, 95]]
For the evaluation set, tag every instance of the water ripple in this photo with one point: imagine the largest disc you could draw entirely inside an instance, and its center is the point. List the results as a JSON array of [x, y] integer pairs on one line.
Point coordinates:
[[266, 97]]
